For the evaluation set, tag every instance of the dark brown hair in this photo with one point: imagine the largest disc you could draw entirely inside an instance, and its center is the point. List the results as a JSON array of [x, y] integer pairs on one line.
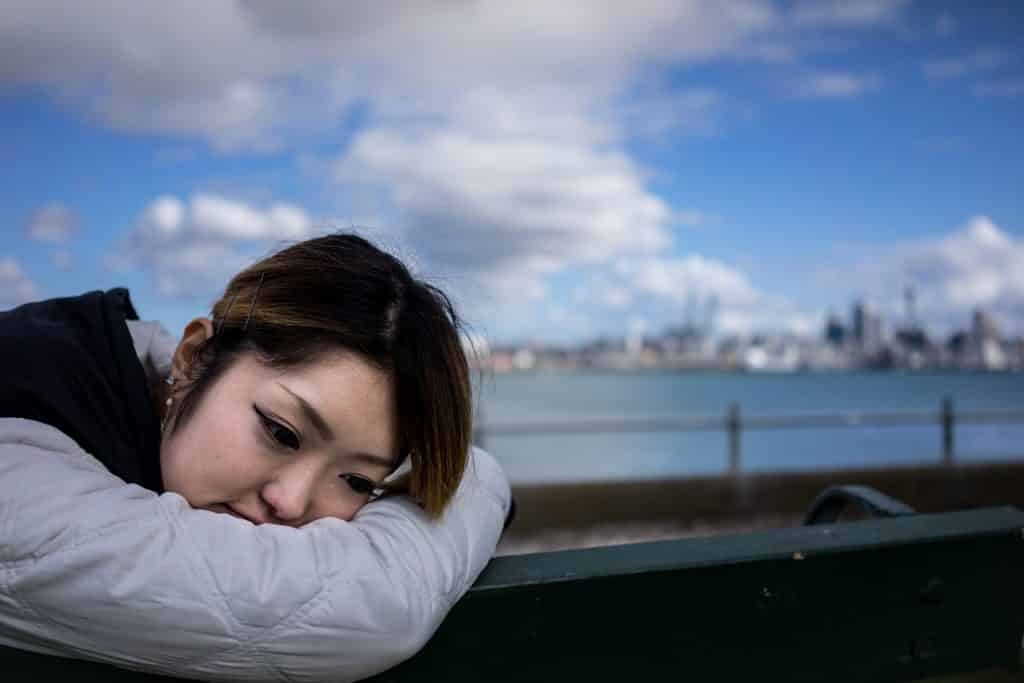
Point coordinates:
[[337, 293]]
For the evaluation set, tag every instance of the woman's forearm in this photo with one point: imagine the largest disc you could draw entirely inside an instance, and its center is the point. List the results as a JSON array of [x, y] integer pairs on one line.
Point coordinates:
[[97, 569]]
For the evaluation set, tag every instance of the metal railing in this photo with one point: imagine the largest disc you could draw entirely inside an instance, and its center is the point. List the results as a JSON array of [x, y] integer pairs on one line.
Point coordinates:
[[733, 423]]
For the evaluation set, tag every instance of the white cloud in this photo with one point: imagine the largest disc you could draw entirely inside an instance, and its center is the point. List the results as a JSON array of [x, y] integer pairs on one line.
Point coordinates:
[[614, 297], [251, 74], [691, 217], [165, 217], [258, 71], [976, 62], [494, 133], [656, 111], [945, 25], [196, 248], [240, 115], [979, 265], [847, 12], [663, 291], [52, 222], [679, 278], [214, 217], [670, 289], [837, 84], [15, 285], [1005, 88], [508, 198], [195, 269], [228, 219]]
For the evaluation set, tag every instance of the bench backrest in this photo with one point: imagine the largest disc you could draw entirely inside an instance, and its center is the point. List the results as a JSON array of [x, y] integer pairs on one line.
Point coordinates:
[[879, 600]]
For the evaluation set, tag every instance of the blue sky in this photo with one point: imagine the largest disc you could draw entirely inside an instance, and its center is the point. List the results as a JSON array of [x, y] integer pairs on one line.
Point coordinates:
[[564, 170]]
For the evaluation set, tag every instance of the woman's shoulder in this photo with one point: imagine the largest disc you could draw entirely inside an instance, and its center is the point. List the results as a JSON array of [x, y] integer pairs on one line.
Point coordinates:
[[15, 430], [48, 328]]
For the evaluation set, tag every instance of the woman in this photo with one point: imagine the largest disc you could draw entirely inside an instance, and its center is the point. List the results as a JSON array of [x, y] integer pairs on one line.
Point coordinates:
[[287, 492]]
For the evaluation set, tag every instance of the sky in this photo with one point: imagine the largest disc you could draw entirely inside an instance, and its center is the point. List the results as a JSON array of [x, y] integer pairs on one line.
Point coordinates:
[[564, 170]]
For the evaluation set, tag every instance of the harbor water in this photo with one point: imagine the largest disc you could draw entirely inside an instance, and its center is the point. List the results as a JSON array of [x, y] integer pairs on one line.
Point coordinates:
[[542, 397]]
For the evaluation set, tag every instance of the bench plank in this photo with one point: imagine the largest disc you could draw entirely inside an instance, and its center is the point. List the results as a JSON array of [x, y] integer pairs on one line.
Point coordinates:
[[901, 599], [879, 600]]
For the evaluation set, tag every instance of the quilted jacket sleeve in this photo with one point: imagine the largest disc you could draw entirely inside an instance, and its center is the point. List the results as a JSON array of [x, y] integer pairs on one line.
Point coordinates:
[[91, 567]]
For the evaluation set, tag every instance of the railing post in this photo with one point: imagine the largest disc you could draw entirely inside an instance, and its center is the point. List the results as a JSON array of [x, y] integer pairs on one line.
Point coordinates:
[[478, 428], [732, 425], [946, 419]]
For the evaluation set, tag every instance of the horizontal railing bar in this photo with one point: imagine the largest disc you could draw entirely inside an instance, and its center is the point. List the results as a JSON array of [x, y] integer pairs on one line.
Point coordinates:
[[611, 425], [747, 422], [985, 418]]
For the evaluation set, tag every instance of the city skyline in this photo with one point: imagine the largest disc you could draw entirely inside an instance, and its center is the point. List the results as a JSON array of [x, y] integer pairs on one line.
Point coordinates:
[[866, 340]]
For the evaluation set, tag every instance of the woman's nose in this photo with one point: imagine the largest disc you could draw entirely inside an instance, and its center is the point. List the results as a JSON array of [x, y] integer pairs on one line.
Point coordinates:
[[290, 493]]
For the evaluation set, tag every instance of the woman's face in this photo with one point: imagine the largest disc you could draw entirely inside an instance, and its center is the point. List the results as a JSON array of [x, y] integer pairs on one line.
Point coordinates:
[[283, 447]]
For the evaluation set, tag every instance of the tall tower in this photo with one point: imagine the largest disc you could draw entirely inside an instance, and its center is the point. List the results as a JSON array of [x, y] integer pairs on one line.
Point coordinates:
[[858, 315], [983, 326], [910, 307], [867, 327], [710, 313], [691, 310]]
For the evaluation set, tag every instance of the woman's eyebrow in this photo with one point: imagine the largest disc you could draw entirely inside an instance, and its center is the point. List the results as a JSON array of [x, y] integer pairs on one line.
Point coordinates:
[[327, 434], [311, 415]]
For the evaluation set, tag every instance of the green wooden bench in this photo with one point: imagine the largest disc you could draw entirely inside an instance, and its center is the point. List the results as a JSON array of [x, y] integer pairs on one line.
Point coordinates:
[[937, 597]]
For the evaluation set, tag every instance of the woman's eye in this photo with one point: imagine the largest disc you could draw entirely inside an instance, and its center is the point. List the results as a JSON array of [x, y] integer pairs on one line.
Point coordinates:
[[279, 433], [359, 484]]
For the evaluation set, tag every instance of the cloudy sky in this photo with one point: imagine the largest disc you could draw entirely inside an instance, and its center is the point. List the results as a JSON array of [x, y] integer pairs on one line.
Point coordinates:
[[564, 169]]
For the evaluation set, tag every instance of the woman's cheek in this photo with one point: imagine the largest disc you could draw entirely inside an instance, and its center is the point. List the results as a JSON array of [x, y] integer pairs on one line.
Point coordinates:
[[173, 473], [187, 466]]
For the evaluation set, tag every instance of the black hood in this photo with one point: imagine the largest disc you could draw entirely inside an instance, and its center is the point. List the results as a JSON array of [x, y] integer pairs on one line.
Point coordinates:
[[70, 363]]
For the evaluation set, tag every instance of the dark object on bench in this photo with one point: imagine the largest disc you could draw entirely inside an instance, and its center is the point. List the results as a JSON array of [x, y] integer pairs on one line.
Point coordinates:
[[897, 599], [827, 507]]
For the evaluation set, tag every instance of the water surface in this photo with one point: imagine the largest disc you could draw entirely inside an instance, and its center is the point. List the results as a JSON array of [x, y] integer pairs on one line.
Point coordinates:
[[573, 396]]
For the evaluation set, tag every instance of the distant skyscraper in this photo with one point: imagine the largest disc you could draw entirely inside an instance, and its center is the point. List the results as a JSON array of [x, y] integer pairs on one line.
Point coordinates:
[[867, 327], [984, 327], [710, 314], [857, 320], [873, 332], [835, 333], [910, 307], [691, 309], [986, 340]]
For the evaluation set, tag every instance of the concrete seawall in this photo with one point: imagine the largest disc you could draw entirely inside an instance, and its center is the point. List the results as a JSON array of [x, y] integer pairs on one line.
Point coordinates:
[[586, 514]]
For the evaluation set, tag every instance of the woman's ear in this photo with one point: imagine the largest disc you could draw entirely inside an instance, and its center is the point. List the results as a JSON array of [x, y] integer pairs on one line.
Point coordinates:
[[196, 332]]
